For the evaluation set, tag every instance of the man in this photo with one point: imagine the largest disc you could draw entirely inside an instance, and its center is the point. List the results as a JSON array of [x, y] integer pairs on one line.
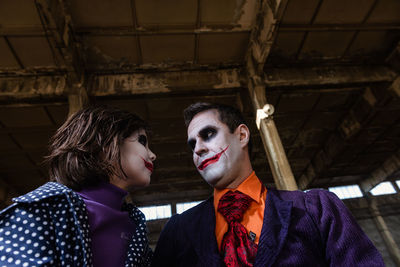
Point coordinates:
[[243, 223]]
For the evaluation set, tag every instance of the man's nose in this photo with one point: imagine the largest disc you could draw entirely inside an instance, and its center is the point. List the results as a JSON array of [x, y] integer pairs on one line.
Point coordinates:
[[200, 148]]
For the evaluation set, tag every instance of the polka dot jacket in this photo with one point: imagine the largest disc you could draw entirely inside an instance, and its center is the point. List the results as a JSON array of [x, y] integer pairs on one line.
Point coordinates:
[[49, 227]]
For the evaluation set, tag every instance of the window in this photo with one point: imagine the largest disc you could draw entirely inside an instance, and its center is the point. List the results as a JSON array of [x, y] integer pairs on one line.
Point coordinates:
[[181, 207], [384, 188], [348, 191], [156, 212]]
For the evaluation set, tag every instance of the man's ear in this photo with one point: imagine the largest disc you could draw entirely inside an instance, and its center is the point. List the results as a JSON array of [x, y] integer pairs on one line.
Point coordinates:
[[244, 134]]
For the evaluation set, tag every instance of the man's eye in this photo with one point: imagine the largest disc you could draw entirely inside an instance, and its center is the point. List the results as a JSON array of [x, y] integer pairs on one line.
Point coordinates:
[[142, 139], [207, 135]]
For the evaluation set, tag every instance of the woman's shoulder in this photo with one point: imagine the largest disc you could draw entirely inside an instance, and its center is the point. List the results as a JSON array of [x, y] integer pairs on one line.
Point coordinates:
[[46, 193], [47, 190]]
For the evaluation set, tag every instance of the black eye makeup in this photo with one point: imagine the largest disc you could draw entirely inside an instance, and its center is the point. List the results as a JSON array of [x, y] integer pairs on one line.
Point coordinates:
[[191, 143], [142, 139], [208, 133]]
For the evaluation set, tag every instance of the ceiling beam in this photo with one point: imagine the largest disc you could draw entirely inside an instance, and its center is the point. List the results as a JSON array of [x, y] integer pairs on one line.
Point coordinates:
[[357, 117], [261, 40], [337, 27], [164, 82], [119, 31], [32, 87], [264, 31], [66, 49], [55, 86], [58, 28], [394, 58], [389, 167], [327, 76]]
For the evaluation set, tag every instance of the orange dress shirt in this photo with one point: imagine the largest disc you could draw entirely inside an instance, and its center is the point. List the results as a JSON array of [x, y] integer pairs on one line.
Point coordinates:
[[253, 217]]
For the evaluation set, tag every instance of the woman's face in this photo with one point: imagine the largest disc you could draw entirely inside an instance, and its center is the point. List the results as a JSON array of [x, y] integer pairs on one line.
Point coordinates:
[[136, 162]]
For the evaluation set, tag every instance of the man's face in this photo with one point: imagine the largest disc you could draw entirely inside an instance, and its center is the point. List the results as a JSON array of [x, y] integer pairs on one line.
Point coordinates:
[[216, 151]]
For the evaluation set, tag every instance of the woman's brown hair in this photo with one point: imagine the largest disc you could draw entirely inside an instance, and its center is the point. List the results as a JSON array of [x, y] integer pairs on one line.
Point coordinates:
[[85, 150]]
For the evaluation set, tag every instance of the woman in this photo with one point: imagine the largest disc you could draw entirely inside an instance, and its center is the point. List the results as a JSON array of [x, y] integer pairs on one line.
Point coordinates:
[[97, 157]]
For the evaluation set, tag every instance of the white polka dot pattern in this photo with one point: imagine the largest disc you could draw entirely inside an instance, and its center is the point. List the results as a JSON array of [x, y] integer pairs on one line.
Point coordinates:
[[49, 227], [139, 252]]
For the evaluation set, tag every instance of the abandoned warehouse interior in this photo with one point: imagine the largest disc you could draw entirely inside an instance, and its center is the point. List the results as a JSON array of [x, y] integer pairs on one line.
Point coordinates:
[[318, 82]]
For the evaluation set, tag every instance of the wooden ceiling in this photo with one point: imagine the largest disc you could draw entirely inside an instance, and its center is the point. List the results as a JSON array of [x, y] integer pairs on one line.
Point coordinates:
[[331, 69]]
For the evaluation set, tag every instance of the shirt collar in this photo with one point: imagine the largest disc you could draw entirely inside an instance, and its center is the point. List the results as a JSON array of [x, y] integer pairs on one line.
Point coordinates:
[[106, 194], [251, 186]]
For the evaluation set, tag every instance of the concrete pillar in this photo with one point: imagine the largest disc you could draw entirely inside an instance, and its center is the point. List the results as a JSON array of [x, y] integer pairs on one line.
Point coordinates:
[[277, 159], [173, 208], [383, 230], [396, 187], [77, 99]]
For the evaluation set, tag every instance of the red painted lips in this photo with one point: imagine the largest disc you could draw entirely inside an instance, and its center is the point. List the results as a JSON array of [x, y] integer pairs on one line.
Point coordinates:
[[148, 165], [211, 160]]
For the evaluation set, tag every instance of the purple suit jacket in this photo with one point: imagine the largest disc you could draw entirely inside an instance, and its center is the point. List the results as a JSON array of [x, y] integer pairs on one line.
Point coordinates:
[[299, 229]]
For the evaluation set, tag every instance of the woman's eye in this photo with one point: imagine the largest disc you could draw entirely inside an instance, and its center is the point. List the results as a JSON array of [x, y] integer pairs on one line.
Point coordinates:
[[142, 139]]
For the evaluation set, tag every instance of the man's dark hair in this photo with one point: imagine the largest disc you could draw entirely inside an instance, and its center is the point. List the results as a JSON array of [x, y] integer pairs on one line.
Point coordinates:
[[229, 115], [85, 150]]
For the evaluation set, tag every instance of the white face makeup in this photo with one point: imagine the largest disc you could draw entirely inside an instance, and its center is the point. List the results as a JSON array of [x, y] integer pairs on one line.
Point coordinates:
[[136, 162], [216, 151]]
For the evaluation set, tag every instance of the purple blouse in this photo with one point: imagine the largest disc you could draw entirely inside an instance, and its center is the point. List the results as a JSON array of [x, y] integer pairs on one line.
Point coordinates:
[[110, 228]]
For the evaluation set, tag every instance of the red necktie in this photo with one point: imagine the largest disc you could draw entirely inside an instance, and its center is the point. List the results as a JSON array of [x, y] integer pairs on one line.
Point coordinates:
[[237, 248]]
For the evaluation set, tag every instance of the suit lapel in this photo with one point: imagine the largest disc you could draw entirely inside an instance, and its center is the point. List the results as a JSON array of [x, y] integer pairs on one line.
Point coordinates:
[[275, 228], [202, 234]]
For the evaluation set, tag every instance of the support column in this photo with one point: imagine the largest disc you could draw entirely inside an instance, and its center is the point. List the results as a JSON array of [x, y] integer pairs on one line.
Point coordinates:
[[387, 237], [77, 99], [262, 37], [276, 155], [173, 207], [396, 187], [277, 159]]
